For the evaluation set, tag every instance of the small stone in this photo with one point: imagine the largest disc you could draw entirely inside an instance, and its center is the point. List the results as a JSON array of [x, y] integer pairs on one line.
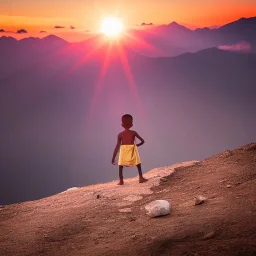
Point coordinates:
[[134, 236], [228, 186], [209, 235], [133, 198], [158, 208], [71, 189], [105, 218], [97, 194], [164, 180], [125, 210], [200, 200], [86, 220]]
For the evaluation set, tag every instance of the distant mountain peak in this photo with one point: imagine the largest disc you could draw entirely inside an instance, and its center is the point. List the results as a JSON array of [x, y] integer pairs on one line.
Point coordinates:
[[176, 25], [250, 18], [203, 29], [5, 38], [29, 39], [210, 51], [242, 21], [52, 37]]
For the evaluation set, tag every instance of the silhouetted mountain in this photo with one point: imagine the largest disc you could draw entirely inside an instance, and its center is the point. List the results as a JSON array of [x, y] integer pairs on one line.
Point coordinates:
[[30, 39], [170, 40], [214, 27], [175, 26], [203, 30], [54, 40], [243, 23], [21, 54], [60, 114], [174, 39], [8, 39], [240, 30]]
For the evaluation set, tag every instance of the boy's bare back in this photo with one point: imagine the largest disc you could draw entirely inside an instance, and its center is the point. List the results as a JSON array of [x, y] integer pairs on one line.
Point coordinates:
[[127, 137]]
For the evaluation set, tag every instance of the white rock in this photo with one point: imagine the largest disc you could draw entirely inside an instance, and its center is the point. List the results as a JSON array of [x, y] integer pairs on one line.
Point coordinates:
[[158, 208], [200, 200], [71, 189], [133, 198], [125, 210], [209, 235]]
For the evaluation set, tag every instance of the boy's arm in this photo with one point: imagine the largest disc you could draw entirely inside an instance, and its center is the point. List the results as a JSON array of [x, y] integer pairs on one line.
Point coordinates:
[[142, 141], [119, 140]]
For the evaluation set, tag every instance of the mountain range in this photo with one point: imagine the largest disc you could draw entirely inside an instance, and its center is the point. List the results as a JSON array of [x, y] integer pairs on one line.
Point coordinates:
[[61, 104], [174, 39]]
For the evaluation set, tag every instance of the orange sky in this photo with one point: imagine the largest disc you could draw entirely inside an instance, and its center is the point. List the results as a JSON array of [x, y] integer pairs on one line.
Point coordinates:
[[38, 15]]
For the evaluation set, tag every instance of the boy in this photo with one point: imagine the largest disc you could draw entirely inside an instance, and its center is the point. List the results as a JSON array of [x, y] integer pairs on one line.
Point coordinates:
[[129, 155]]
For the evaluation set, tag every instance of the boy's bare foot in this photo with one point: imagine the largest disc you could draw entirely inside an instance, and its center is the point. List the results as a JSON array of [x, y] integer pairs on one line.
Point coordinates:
[[141, 180], [120, 183]]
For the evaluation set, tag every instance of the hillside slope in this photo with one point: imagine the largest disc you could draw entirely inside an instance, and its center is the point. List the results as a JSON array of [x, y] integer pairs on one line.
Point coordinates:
[[88, 221]]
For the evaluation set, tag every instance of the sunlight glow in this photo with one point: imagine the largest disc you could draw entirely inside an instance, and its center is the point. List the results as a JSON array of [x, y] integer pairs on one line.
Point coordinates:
[[111, 27]]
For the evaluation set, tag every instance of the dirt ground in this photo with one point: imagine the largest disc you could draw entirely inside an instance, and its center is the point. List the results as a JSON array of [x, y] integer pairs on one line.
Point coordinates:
[[87, 221]]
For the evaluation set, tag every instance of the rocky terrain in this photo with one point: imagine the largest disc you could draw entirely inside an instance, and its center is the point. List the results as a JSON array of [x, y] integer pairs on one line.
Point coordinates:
[[106, 219]]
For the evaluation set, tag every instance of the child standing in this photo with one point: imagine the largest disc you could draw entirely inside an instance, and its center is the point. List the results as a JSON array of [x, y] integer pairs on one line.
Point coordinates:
[[129, 155]]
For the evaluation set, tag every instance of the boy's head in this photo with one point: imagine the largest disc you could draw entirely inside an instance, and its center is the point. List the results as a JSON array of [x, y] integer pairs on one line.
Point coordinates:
[[127, 121]]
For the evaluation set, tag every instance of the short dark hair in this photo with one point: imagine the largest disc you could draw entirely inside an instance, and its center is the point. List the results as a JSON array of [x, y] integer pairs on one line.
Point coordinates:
[[128, 116], [127, 121]]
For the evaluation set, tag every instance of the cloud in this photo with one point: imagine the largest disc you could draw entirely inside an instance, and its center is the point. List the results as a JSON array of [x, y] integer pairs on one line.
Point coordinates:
[[22, 31], [42, 31], [2, 30], [72, 27], [57, 27], [147, 24], [239, 47]]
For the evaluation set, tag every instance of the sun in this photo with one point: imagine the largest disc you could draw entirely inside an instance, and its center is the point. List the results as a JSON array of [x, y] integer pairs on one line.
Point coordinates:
[[111, 27]]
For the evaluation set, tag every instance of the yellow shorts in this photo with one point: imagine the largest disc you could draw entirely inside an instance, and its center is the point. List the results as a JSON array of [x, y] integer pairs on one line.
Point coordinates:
[[129, 155]]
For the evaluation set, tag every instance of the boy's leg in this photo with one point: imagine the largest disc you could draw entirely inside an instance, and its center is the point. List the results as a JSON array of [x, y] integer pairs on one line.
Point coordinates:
[[121, 175], [141, 178]]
